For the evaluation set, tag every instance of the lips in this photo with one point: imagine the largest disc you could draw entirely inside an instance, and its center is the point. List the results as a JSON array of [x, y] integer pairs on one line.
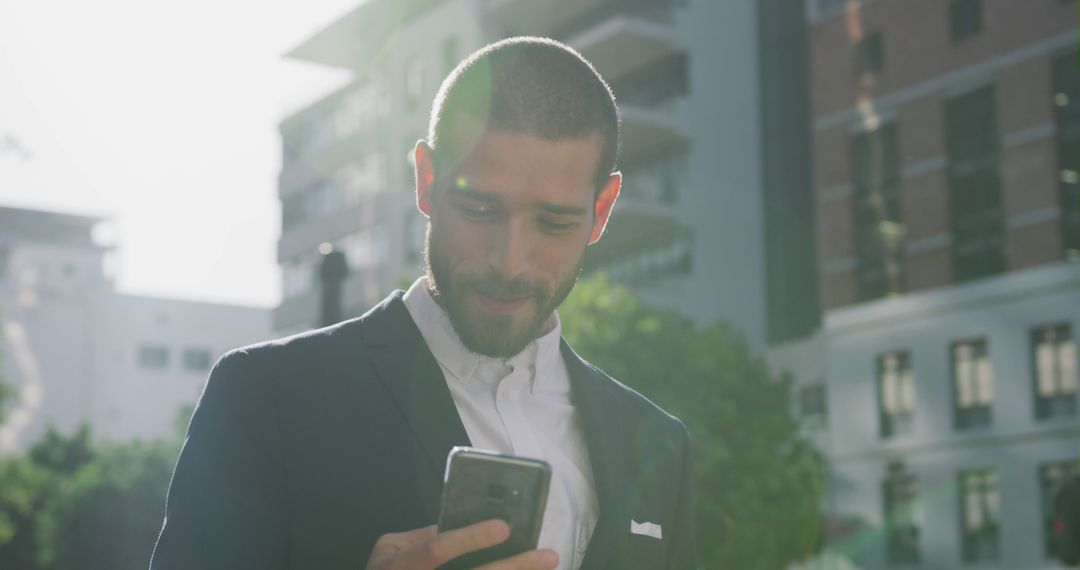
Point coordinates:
[[500, 304]]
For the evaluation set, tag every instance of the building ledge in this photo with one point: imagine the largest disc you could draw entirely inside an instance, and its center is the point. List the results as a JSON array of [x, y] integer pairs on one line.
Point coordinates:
[[1015, 285]]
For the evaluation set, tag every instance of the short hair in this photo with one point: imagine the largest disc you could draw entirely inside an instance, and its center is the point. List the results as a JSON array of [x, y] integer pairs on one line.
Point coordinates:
[[531, 85]]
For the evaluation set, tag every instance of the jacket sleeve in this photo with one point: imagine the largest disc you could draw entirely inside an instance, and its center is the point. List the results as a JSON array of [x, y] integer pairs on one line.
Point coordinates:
[[226, 506], [683, 551]]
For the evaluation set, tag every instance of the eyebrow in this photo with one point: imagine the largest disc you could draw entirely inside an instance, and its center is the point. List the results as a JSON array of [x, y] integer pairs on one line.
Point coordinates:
[[551, 208]]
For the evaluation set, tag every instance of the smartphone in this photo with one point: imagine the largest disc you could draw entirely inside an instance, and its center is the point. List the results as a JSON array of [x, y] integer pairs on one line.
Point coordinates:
[[481, 485]]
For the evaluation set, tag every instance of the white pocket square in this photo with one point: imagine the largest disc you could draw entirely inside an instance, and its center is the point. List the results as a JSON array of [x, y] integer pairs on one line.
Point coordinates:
[[646, 529]]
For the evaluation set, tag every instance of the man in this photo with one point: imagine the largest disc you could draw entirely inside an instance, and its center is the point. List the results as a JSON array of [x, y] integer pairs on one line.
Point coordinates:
[[327, 449]]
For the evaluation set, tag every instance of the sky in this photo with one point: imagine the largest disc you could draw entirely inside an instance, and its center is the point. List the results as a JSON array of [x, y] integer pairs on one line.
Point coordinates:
[[161, 117]]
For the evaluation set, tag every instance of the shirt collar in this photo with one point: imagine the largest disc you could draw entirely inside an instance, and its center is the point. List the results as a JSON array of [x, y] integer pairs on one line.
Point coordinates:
[[541, 355]]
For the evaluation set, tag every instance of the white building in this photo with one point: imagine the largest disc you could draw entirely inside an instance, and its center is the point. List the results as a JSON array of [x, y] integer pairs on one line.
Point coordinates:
[[74, 350]]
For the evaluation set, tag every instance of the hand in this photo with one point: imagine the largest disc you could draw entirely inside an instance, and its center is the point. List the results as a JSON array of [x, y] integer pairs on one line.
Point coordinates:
[[426, 549]]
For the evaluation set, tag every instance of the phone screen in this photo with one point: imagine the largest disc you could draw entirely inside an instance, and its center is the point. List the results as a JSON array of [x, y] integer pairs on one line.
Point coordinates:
[[480, 485]]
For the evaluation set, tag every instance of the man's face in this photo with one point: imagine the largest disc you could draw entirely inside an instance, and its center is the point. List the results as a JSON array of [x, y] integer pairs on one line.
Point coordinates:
[[507, 233]]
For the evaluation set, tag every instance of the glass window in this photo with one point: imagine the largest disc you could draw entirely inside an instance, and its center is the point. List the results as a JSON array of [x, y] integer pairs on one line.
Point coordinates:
[[1067, 119], [1053, 355], [196, 359], [965, 19], [973, 384], [896, 393], [870, 54], [903, 517], [975, 202], [879, 230], [153, 356], [1051, 477], [980, 516]]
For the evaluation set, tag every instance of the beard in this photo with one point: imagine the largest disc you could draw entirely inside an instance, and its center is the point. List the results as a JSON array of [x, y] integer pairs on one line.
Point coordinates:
[[490, 334]]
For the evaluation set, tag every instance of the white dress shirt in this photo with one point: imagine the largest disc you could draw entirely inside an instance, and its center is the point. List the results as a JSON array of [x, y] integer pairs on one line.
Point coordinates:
[[520, 405]]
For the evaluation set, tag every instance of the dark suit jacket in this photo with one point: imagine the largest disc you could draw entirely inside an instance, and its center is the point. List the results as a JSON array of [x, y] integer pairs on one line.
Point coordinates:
[[303, 451]]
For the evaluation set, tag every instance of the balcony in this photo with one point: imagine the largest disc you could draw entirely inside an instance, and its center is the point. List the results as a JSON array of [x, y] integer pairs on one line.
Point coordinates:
[[306, 236], [635, 226], [653, 130], [622, 43], [357, 38], [532, 17]]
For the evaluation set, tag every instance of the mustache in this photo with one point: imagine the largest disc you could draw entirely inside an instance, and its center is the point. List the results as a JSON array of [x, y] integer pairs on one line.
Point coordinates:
[[493, 286]]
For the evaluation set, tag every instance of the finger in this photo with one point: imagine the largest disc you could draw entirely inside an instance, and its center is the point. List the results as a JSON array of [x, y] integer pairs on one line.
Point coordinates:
[[398, 541], [389, 545], [446, 546], [543, 559]]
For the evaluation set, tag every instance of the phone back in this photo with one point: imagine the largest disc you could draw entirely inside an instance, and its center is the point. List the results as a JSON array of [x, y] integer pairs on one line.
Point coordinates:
[[481, 486]]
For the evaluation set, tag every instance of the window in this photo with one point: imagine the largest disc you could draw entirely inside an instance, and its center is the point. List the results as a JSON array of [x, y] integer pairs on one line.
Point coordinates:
[[1051, 477], [153, 356], [196, 360], [879, 231], [965, 19], [1053, 355], [903, 516], [812, 403], [1067, 119], [896, 393], [980, 516], [869, 55], [973, 384], [975, 205]]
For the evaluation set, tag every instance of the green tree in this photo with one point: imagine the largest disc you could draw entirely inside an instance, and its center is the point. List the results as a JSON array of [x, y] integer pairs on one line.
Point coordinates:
[[27, 483], [758, 481], [108, 513], [71, 503]]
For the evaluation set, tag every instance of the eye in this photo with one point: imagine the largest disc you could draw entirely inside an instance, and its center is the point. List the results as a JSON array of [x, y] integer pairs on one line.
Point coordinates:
[[553, 226], [478, 212]]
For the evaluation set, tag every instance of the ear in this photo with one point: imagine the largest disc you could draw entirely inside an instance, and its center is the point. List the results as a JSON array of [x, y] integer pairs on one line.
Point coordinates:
[[605, 200], [423, 157]]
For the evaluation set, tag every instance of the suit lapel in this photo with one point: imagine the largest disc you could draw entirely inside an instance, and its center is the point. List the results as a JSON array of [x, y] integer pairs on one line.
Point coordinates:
[[406, 367], [603, 424]]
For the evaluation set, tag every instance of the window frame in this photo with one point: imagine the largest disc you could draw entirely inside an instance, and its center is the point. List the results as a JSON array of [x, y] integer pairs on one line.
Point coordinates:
[[978, 415], [1061, 403], [984, 544], [894, 423]]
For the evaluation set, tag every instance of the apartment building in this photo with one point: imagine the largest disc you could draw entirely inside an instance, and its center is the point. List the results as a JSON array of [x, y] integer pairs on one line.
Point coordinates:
[[943, 381], [347, 175], [703, 133]]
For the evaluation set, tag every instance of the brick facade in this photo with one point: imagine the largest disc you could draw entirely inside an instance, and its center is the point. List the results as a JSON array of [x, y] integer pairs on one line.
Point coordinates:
[[923, 68]]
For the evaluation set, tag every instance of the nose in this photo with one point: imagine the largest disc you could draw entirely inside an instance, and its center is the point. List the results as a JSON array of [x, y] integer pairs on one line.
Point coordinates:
[[510, 250]]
